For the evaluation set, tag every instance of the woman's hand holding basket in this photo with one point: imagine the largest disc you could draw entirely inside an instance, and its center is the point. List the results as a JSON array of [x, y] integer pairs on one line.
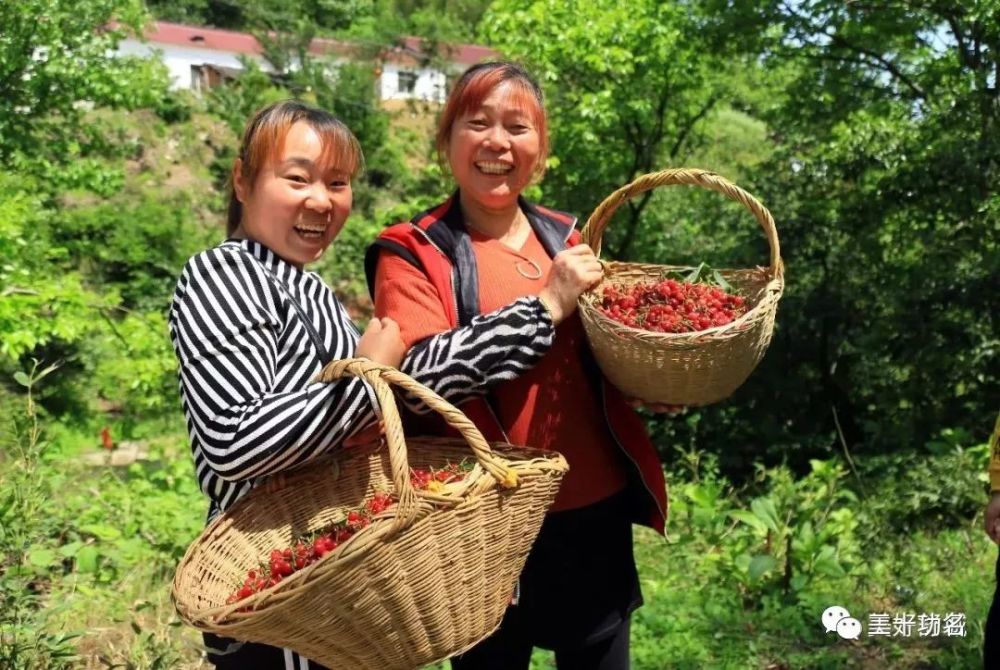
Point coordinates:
[[573, 271], [382, 343]]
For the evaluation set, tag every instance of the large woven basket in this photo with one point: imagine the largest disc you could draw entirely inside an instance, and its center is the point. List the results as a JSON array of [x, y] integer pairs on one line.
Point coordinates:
[[429, 578], [689, 369]]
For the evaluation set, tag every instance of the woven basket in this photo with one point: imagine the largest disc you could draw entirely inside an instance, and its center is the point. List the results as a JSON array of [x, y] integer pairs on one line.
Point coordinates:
[[430, 576], [690, 369]]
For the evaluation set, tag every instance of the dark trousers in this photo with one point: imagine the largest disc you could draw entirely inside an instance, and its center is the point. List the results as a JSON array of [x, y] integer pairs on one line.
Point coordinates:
[[577, 591], [510, 649], [991, 633], [228, 654]]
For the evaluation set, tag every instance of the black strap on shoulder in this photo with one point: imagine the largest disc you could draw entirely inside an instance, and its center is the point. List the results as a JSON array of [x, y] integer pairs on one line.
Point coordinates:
[[551, 233], [371, 260], [324, 354], [453, 237]]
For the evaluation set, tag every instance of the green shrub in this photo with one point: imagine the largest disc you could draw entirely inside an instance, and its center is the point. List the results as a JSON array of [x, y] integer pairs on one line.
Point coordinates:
[[942, 485]]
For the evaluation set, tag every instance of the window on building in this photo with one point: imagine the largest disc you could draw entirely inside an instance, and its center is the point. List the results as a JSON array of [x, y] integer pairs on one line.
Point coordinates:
[[199, 78], [406, 82], [207, 76]]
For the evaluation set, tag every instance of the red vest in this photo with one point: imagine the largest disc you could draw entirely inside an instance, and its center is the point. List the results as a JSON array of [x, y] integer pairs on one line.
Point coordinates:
[[437, 243]]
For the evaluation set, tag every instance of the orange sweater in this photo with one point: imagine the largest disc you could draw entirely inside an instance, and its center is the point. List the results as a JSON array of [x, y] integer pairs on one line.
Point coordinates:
[[550, 407]]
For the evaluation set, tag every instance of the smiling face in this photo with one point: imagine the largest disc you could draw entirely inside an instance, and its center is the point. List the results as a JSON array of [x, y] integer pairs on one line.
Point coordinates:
[[494, 149], [299, 200]]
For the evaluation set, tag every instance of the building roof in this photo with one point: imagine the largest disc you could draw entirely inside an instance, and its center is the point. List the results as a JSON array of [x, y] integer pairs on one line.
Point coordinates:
[[162, 32], [408, 49], [462, 54]]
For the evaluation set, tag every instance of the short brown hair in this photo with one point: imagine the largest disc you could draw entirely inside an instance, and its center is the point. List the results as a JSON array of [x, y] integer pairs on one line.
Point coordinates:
[[475, 85], [264, 138]]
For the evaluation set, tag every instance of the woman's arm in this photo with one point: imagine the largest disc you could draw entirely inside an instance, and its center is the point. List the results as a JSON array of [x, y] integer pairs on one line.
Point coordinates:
[[458, 363], [225, 331]]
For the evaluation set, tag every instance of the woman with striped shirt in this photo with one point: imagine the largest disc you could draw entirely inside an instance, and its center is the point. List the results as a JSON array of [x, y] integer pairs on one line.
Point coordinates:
[[251, 328]]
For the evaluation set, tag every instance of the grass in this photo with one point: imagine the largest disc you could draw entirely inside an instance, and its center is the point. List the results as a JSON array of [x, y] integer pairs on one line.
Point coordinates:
[[115, 535], [705, 623]]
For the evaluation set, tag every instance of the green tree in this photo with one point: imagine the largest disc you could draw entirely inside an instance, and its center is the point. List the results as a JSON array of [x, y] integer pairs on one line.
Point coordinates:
[[883, 184], [439, 20], [217, 13], [629, 89], [39, 300], [56, 58], [323, 14]]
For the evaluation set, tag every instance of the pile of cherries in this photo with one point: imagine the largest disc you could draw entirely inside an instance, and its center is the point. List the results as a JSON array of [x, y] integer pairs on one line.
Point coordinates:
[[671, 306], [308, 549]]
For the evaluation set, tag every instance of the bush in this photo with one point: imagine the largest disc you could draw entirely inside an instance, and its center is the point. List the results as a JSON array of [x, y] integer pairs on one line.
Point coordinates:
[[940, 486]]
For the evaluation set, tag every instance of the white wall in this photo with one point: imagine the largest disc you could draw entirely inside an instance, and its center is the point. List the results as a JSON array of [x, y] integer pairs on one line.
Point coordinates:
[[430, 85], [179, 59]]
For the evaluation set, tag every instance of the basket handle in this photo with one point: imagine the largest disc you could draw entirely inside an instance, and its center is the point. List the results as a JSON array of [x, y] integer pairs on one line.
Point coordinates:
[[382, 377], [598, 221]]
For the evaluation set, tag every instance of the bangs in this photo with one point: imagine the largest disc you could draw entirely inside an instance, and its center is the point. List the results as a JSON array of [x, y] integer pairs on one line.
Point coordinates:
[[476, 85], [478, 89], [264, 139], [341, 150]]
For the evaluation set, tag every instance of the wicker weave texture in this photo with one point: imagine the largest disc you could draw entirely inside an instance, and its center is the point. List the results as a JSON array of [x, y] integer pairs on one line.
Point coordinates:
[[430, 577], [690, 369]]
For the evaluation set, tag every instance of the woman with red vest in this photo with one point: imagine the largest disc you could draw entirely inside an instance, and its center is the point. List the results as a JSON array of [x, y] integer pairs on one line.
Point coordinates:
[[495, 280]]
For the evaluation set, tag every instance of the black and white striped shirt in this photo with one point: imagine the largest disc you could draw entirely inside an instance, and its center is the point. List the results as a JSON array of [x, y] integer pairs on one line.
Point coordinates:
[[493, 348], [246, 362]]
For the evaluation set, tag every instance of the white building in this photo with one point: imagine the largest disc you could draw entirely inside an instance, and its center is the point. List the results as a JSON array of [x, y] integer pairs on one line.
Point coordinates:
[[199, 58], [406, 76], [196, 58]]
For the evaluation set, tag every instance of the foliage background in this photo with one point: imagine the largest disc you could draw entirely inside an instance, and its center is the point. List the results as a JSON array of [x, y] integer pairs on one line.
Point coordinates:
[[848, 469]]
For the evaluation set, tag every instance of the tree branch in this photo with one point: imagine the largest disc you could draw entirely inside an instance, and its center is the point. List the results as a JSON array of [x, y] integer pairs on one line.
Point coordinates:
[[637, 160], [15, 290], [875, 59], [635, 214], [887, 65], [686, 130], [642, 162], [964, 57], [977, 46]]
